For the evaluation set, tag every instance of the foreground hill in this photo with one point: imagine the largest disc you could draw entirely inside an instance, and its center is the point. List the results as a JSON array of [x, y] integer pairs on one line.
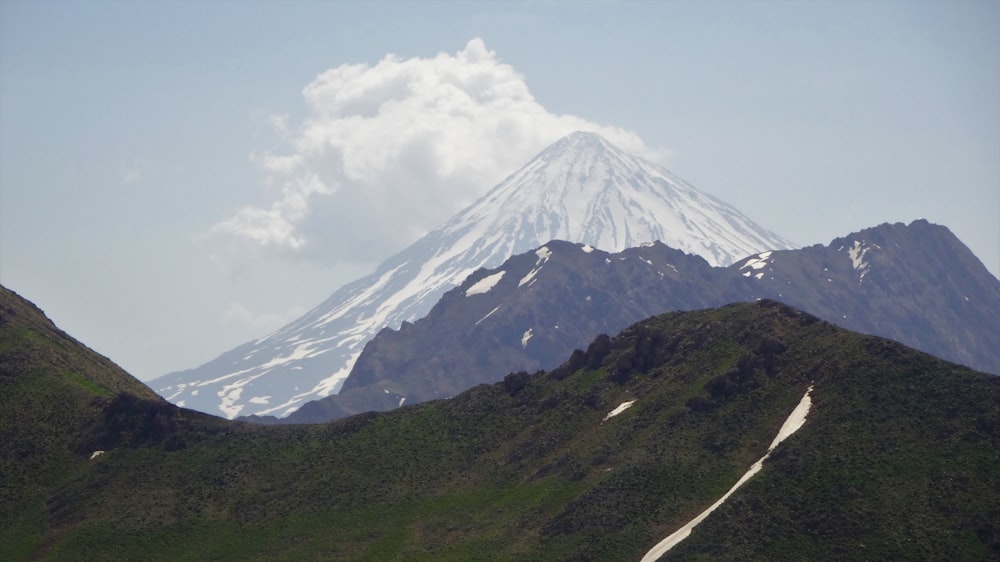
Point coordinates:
[[51, 389], [917, 284], [898, 459]]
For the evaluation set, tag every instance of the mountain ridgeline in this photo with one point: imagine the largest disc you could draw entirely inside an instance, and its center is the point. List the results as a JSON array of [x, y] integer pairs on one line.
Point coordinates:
[[917, 284], [598, 459], [581, 189]]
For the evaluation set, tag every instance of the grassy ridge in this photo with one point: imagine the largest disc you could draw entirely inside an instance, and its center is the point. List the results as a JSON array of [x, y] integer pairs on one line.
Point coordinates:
[[529, 468]]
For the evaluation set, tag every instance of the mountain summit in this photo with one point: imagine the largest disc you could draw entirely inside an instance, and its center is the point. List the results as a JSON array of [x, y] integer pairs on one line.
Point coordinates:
[[584, 189], [581, 189]]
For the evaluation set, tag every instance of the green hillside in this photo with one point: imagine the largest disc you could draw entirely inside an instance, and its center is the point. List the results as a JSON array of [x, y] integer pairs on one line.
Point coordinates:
[[899, 453], [51, 388]]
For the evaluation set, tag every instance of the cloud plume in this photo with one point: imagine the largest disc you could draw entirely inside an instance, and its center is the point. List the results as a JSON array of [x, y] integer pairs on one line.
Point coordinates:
[[389, 151]]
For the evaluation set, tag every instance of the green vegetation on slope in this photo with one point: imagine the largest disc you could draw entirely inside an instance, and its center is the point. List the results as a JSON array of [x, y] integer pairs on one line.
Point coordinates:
[[51, 387], [529, 468], [900, 461]]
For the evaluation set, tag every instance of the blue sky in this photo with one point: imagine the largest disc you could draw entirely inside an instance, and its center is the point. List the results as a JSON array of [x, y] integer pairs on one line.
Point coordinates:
[[162, 196]]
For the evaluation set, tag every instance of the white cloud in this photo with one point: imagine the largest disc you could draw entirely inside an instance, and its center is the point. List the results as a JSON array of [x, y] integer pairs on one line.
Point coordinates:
[[275, 226], [390, 151]]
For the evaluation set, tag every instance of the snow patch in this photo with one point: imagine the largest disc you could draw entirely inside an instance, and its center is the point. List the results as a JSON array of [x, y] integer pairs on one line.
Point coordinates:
[[301, 351], [587, 248], [792, 424], [795, 420], [490, 313], [230, 395], [180, 390], [757, 262], [260, 400], [543, 254], [857, 254], [525, 337], [485, 284], [96, 454], [619, 409]]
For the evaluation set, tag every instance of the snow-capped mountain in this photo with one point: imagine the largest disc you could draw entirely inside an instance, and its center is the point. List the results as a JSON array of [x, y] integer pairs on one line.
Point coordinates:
[[580, 189]]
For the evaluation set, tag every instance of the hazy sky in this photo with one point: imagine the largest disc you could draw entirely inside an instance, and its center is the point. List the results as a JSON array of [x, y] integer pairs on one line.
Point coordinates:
[[177, 178]]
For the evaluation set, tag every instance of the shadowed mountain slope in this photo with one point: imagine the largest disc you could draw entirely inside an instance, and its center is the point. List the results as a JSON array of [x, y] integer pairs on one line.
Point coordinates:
[[899, 454], [917, 284]]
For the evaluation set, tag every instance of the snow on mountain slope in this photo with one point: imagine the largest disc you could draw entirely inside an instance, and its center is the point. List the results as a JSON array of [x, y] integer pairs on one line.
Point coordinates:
[[581, 189]]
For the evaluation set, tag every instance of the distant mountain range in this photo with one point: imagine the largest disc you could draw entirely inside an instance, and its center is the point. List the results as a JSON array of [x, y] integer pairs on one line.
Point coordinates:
[[916, 284], [580, 189], [896, 458]]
